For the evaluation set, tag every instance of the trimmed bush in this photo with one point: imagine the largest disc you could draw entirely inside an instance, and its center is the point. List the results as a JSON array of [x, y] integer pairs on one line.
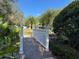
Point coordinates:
[[66, 24], [63, 51]]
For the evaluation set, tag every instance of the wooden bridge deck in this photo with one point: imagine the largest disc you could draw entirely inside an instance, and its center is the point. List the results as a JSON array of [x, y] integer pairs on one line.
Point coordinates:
[[31, 49]]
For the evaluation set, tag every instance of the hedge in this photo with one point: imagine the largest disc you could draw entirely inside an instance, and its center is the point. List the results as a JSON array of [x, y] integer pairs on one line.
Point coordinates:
[[62, 51]]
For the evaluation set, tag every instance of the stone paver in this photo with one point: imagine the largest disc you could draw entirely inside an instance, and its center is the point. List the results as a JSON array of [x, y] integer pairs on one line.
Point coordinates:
[[31, 50]]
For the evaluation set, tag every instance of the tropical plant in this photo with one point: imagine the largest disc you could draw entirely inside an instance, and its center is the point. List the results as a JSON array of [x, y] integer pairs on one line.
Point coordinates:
[[30, 21], [46, 19]]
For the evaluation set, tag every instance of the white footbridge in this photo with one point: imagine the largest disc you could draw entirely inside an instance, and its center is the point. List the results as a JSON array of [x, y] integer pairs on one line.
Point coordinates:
[[30, 47]]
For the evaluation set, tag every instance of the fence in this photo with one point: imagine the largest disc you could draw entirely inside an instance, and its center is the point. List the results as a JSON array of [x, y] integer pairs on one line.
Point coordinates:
[[41, 35]]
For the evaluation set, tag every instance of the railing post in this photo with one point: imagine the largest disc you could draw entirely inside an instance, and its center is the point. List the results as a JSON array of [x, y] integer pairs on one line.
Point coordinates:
[[21, 41], [47, 40], [21, 51]]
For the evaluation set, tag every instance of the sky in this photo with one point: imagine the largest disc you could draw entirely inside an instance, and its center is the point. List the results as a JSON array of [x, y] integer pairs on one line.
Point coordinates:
[[37, 7]]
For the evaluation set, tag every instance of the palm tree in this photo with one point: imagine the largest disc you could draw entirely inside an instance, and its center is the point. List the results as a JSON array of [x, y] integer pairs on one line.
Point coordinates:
[[30, 21], [47, 17]]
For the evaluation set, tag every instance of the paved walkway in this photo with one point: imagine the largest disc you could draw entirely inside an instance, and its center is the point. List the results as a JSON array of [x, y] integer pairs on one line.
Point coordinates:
[[31, 49]]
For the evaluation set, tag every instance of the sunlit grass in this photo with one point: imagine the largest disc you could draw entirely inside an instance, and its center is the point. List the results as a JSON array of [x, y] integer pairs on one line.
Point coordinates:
[[28, 31]]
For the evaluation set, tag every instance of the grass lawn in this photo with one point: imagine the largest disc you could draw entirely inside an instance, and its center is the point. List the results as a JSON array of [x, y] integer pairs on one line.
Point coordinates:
[[28, 31]]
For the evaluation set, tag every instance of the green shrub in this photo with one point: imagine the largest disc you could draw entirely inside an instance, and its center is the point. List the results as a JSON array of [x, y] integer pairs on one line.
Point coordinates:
[[9, 36], [67, 23], [63, 51]]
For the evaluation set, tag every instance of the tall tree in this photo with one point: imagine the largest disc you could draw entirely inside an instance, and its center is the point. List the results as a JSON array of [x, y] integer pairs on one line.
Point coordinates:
[[30, 21], [46, 19]]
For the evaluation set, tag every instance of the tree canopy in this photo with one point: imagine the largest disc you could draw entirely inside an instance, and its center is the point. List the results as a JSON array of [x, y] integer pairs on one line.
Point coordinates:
[[46, 18], [30, 21]]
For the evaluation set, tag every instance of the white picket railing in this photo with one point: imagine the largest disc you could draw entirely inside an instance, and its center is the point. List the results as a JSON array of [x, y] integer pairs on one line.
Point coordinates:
[[41, 35]]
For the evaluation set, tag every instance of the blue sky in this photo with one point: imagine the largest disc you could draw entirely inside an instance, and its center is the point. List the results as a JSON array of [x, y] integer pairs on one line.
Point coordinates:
[[36, 7]]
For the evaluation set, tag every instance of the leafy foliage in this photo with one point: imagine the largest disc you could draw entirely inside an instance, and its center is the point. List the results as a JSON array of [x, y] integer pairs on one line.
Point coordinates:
[[67, 23], [47, 17], [63, 51], [9, 32], [30, 21]]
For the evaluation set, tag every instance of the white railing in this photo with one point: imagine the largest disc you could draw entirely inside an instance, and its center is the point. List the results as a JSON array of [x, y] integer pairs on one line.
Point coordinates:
[[41, 35]]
